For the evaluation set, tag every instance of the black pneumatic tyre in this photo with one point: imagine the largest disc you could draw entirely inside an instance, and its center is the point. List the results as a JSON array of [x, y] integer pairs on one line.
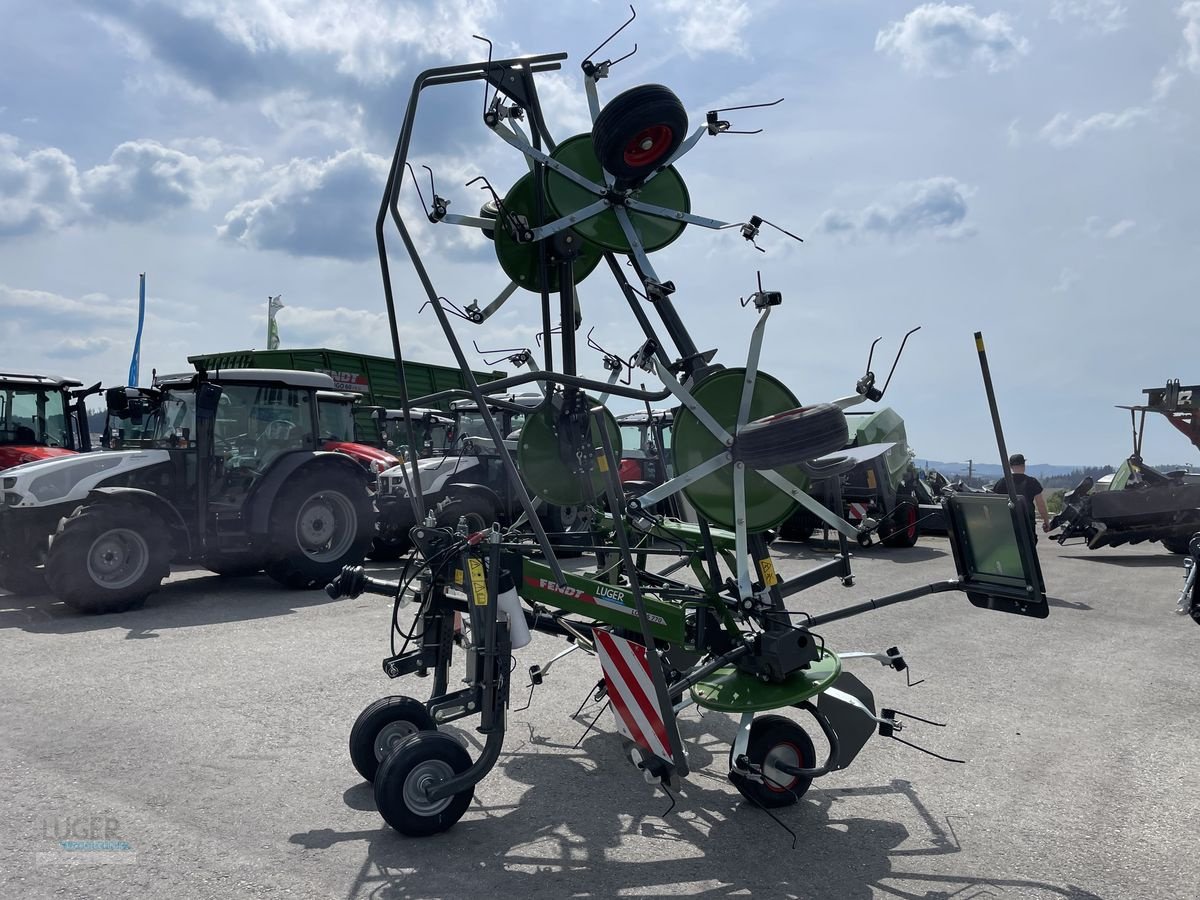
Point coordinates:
[[477, 510], [489, 210], [381, 727], [901, 528], [384, 550], [108, 557], [322, 521], [791, 437], [233, 566], [639, 130], [418, 761], [1176, 544], [774, 739]]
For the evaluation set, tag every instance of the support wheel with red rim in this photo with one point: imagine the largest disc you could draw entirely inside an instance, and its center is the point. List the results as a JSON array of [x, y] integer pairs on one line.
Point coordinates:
[[901, 528], [775, 740], [639, 130]]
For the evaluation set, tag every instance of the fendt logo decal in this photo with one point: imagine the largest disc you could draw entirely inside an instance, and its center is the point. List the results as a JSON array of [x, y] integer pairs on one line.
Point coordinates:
[[608, 597]]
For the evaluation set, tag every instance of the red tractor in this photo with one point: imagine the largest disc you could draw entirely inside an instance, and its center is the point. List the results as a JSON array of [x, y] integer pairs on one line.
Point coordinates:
[[41, 417]]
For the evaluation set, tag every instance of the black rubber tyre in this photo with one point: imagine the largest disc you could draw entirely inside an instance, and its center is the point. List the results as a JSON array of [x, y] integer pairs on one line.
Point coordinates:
[[424, 758], [775, 739], [489, 210], [639, 130], [233, 566], [319, 502], [22, 580], [381, 727], [383, 550], [901, 528], [477, 510], [108, 557], [791, 437], [798, 527], [569, 527], [1176, 544]]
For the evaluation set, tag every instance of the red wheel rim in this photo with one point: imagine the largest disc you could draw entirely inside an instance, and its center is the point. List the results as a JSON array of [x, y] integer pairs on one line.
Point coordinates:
[[910, 522], [780, 787], [648, 145]]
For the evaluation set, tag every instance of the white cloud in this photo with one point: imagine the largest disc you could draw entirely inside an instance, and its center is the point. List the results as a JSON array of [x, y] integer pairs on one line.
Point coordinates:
[[1189, 11], [71, 348], [1067, 279], [311, 207], [1066, 130], [1096, 228], [39, 190], [1104, 16], [936, 206], [942, 40], [710, 26]]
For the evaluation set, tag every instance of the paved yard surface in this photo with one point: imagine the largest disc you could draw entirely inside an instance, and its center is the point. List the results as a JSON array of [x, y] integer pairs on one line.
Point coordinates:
[[205, 736]]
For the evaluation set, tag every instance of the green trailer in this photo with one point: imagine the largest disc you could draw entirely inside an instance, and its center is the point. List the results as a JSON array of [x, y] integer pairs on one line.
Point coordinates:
[[372, 377]]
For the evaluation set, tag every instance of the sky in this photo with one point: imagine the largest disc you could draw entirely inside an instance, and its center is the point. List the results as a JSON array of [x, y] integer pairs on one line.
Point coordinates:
[[1024, 168]]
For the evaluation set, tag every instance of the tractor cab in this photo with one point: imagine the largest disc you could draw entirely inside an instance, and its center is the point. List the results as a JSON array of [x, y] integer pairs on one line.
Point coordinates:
[[338, 431], [41, 417], [433, 430]]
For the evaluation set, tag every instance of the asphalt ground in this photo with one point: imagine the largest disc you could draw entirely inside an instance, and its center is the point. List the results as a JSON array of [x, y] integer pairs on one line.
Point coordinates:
[[204, 737]]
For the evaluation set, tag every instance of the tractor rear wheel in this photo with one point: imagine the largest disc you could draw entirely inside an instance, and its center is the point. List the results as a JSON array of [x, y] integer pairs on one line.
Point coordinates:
[[108, 557], [322, 522], [901, 528]]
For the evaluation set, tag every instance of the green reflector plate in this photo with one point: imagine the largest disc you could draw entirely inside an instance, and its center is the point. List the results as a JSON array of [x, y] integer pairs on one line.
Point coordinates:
[[520, 261], [692, 443], [566, 197]]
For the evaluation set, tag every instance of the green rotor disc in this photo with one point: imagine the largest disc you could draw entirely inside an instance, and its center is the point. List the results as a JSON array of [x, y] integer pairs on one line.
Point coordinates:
[[692, 443], [566, 197], [548, 474], [520, 261]]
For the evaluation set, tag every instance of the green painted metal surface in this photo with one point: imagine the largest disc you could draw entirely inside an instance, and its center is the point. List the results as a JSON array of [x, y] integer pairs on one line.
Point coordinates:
[[548, 472], [729, 690], [521, 261], [721, 394], [566, 197], [603, 602], [881, 427], [374, 377]]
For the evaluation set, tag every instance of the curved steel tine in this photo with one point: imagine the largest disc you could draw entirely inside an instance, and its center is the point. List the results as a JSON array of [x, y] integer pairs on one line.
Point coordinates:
[[604, 43]]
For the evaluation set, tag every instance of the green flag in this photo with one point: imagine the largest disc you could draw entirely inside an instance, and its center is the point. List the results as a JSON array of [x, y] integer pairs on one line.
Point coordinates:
[[273, 306]]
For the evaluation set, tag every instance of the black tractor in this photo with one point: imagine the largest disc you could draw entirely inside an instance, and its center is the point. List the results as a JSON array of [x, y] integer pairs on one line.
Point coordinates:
[[225, 470]]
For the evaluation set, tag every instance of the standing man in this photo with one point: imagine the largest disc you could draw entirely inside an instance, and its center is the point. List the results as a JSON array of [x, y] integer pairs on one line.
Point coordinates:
[[1027, 487]]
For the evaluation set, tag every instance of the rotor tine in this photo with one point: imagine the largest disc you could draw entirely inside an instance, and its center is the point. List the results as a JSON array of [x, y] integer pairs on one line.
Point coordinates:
[[604, 43]]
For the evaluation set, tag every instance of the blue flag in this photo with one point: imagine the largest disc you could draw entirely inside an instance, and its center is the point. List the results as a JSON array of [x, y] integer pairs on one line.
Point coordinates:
[[135, 362]]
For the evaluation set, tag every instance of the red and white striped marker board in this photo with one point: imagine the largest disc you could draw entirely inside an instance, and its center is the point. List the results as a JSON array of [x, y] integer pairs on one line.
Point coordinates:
[[631, 689], [858, 512]]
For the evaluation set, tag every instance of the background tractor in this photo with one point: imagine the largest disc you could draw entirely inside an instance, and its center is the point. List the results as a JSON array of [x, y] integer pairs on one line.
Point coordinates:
[[226, 470]]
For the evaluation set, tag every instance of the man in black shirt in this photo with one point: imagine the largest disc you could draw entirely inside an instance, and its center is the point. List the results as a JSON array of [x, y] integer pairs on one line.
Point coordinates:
[[1027, 487]]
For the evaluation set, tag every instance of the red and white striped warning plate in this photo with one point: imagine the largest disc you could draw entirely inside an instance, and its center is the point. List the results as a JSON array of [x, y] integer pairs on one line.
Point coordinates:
[[631, 689], [858, 512]]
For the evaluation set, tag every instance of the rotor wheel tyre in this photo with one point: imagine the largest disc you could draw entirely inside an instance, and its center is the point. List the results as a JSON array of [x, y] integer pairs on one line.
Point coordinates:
[[774, 740], [489, 210], [798, 527], [385, 550], [22, 579], [639, 130], [381, 727], [417, 763], [901, 527], [322, 522], [233, 566], [791, 437], [108, 557], [570, 526], [477, 510], [1176, 544]]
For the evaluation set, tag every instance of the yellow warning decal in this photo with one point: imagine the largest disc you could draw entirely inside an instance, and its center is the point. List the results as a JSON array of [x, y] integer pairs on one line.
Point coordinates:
[[871, 479], [767, 568], [602, 463], [478, 581], [458, 576]]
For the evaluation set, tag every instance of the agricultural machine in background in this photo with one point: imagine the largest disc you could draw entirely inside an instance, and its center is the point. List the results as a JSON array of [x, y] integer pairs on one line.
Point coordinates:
[[741, 446], [226, 470], [42, 416], [1140, 503], [1188, 603]]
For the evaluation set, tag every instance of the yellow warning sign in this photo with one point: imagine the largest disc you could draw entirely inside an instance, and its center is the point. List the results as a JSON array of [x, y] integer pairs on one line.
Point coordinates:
[[602, 463], [871, 479], [478, 581], [458, 576], [767, 568]]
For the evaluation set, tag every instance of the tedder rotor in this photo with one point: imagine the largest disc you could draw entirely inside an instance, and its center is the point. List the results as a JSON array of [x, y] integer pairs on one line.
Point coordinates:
[[712, 627]]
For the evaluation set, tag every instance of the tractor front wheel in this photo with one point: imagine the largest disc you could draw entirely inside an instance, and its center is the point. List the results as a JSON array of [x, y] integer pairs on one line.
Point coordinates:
[[322, 522], [108, 557]]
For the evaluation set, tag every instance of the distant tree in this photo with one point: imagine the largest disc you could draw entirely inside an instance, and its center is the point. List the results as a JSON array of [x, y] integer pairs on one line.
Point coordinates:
[[1073, 478]]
